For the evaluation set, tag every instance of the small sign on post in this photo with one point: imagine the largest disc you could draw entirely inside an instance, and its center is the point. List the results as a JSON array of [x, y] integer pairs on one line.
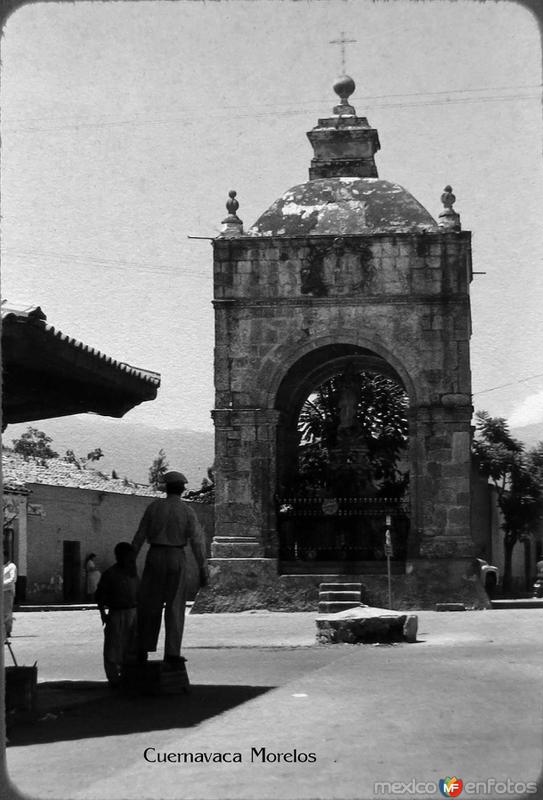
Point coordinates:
[[389, 553], [330, 506]]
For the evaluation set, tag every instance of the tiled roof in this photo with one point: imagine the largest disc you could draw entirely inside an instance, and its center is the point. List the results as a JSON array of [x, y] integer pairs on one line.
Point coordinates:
[[35, 316], [20, 311], [18, 472]]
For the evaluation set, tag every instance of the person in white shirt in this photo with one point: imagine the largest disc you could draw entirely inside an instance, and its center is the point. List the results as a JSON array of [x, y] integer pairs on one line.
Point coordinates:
[[92, 576], [10, 580]]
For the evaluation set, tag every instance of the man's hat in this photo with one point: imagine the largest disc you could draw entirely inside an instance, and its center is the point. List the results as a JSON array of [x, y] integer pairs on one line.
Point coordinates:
[[174, 477]]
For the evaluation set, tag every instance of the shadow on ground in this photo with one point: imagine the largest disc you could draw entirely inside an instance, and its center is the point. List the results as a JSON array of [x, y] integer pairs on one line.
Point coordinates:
[[87, 709]]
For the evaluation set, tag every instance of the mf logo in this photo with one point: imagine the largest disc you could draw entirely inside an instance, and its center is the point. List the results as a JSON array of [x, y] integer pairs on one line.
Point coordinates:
[[450, 787]]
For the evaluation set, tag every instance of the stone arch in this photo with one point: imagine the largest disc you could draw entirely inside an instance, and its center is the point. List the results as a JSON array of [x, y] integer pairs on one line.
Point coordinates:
[[307, 372], [283, 361], [306, 366]]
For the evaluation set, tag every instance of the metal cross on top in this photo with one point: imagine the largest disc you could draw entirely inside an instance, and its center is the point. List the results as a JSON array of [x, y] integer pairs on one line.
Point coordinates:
[[343, 41]]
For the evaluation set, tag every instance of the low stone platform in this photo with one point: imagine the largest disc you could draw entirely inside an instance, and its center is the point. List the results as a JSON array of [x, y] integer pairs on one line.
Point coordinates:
[[155, 678], [367, 625], [243, 584]]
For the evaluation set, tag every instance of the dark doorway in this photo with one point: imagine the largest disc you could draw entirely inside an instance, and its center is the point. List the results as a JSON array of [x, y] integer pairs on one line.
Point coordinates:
[[71, 571], [9, 543]]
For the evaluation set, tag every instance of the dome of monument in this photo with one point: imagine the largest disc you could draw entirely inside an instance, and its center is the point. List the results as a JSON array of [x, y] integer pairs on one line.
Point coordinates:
[[339, 206]]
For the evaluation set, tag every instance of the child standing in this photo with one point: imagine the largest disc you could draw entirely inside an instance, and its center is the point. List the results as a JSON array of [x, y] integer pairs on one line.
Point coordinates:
[[117, 592]]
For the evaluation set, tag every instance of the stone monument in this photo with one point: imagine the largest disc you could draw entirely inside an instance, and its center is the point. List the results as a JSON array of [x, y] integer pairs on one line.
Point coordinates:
[[344, 272]]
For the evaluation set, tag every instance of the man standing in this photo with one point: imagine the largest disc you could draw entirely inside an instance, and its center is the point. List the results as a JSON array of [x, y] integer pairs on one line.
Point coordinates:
[[168, 524]]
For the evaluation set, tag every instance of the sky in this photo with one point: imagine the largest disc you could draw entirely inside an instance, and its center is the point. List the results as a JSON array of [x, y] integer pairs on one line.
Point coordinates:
[[125, 124]]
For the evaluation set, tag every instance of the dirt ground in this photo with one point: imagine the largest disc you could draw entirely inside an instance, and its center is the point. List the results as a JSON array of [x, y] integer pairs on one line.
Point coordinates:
[[464, 701]]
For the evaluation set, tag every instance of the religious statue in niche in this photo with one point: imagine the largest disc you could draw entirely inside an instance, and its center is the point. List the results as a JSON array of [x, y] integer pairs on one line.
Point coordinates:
[[353, 433], [347, 405], [349, 460], [311, 276]]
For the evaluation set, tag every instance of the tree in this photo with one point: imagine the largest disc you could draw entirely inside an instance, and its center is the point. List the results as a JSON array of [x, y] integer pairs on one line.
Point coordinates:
[[37, 444], [34, 444], [347, 410], [81, 461], [158, 469], [70, 457], [517, 476], [206, 492]]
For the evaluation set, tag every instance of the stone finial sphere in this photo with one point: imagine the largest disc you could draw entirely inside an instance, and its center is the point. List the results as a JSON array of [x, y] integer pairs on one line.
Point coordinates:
[[447, 198], [344, 87], [232, 205]]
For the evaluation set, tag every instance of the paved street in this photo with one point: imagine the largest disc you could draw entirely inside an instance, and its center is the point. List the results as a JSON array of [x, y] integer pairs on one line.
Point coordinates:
[[465, 701]]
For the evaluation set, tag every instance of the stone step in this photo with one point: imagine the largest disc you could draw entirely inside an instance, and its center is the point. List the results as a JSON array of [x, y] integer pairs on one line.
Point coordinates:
[[332, 607], [236, 549], [450, 607], [526, 602], [340, 587], [351, 597], [228, 539]]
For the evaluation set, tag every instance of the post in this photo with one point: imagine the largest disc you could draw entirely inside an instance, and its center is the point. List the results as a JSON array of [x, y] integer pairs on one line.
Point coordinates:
[[388, 553]]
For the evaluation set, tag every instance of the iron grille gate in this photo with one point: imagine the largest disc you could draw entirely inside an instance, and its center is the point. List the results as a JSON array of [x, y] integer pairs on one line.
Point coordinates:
[[313, 530]]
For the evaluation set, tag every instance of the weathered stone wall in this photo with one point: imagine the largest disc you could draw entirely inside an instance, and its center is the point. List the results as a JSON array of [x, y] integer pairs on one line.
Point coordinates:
[[381, 264], [410, 306], [403, 298]]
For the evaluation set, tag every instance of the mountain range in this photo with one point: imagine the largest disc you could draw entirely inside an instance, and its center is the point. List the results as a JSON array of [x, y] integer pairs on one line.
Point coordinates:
[[130, 448], [529, 434]]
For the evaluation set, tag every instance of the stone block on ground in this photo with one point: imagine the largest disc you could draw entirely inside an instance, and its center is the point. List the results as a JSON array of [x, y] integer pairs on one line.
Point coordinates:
[[155, 678], [366, 625], [141, 678], [174, 678], [410, 628]]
